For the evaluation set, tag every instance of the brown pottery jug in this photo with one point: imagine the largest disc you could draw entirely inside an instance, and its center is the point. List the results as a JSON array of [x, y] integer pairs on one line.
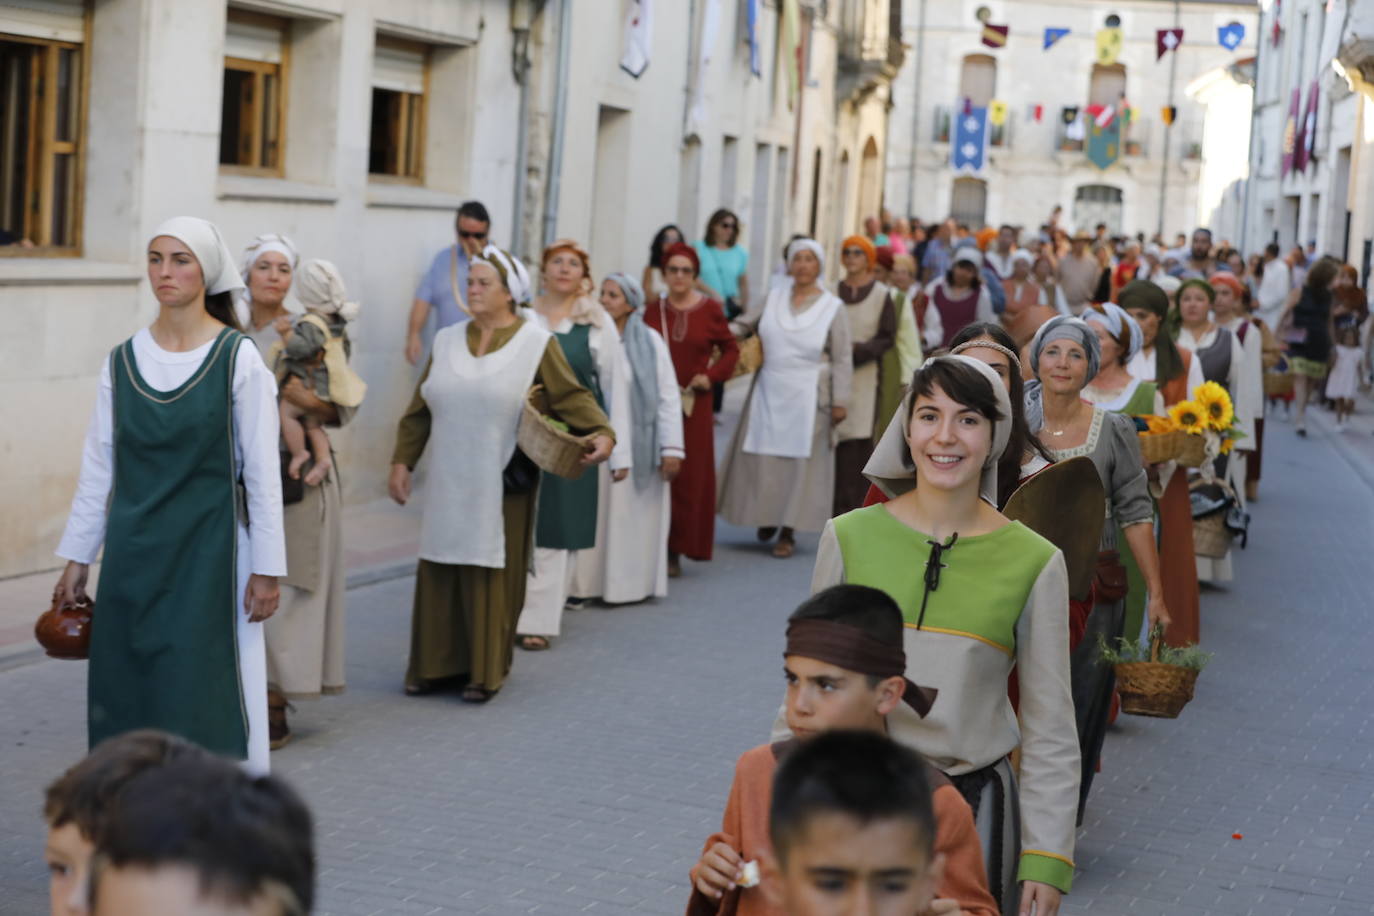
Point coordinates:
[[66, 632]]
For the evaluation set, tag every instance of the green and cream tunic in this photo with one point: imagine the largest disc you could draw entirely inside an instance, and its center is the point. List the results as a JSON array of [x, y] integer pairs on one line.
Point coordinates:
[[1001, 604]]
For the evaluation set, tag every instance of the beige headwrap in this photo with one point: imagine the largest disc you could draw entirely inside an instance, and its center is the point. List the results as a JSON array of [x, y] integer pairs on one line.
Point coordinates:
[[891, 468], [320, 289], [205, 242]]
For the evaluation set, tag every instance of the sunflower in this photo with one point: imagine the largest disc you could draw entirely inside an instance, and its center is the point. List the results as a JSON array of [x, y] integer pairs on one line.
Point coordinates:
[[1189, 417], [1157, 424], [1216, 405], [1226, 445]]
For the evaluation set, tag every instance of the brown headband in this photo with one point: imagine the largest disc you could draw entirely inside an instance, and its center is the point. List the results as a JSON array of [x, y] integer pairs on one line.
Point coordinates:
[[854, 650]]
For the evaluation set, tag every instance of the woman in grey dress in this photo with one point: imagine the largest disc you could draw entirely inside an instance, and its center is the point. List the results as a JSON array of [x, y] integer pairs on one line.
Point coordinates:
[[1065, 355]]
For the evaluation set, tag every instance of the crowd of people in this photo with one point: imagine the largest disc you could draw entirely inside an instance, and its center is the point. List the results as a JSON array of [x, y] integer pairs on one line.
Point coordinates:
[[898, 411]]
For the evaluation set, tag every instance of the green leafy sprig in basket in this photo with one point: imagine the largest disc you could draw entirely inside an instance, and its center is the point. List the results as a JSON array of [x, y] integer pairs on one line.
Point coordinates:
[[1138, 650]]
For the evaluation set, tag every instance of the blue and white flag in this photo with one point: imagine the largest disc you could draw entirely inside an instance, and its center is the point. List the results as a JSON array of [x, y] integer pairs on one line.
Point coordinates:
[[968, 151], [751, 13], [1230, 36]]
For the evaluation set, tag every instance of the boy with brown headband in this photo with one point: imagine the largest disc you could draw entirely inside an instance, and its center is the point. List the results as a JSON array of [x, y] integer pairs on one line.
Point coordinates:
[[844, 665]]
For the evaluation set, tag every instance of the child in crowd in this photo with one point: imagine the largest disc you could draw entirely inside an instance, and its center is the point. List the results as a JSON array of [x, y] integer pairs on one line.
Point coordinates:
[[853, 830], [315, 348], [1347, 368], [77, 805], [844, 665], [200, 835]]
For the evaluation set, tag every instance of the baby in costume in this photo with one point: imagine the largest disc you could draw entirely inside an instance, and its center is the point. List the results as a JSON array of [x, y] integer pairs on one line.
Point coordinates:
[[315, 348]]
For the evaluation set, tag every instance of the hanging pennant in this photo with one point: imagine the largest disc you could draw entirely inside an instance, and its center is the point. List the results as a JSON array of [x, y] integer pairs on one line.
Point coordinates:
[[1167, 40], [1104, 142], [995, 36], [1167, 114], [968, 106], [639, 38], [1109, 43], [1104, 115], [1068, 115], [1037, 112], [968, 152], [1278, 29], [1230, 36], [1053, 35], [997, 112]]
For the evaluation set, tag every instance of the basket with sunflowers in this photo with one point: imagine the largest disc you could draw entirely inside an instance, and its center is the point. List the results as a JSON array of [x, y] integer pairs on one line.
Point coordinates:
[[1194, 432]]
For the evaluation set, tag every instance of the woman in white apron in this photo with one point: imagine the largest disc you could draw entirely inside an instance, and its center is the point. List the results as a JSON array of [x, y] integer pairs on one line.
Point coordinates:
[[780, 471]]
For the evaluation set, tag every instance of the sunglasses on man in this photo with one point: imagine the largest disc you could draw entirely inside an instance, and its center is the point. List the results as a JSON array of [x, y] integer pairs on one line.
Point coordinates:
[[475, 236]]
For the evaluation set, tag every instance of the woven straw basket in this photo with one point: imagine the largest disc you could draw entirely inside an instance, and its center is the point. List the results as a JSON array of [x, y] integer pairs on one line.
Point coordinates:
[[1211, 537], [1153, 688], [750, 356], [1278, 384], [552, 449], [1157, 448], [1192, 451]]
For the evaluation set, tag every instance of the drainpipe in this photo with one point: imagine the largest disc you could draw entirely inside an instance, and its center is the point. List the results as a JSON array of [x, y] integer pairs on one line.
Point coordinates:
[[916, 111], [521, 17], [1168, 129], [560, 123]]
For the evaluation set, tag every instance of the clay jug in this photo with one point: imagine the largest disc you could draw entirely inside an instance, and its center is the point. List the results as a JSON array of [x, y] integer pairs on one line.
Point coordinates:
[[66, 632]]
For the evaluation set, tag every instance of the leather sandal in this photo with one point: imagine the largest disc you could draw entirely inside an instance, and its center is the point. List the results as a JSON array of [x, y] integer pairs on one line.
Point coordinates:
[[784, 548], [278, 731], [533, 643]]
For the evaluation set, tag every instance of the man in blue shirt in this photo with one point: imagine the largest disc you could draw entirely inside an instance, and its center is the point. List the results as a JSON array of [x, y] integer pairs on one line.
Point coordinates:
[[444, 286]]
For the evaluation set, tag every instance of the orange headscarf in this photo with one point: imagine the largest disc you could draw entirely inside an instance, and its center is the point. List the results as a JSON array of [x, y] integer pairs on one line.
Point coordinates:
[[985, 237], [1226, 278], [579, 251], [859, 241]]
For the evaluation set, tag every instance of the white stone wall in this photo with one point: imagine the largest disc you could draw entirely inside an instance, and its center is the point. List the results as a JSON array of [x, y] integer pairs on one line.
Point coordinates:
[[1028, 177], [152, 152]]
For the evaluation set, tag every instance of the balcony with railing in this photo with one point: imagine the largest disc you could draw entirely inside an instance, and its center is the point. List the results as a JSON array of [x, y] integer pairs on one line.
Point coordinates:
[[999, 135], [1356, 50], [870, 45]]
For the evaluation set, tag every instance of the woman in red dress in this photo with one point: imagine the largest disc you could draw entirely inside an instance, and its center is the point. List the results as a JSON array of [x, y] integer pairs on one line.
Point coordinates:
[[704, 352]]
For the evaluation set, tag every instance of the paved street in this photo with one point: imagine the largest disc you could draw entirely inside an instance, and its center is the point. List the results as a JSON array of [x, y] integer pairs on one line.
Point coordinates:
[[590, 782]]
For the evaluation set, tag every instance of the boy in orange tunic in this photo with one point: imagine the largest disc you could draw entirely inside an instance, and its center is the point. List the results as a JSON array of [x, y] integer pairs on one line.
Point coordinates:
[[853, 830], [844, 665]]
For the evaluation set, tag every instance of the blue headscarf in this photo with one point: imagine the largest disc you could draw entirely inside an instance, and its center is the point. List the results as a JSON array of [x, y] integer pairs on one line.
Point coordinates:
[[1060, 327], [637, 339]]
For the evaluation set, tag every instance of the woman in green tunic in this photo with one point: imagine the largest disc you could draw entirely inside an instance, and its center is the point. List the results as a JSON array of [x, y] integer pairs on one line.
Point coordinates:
[[1116, 389], [180, 480], [567, 513], [982, 596], [478, 522]]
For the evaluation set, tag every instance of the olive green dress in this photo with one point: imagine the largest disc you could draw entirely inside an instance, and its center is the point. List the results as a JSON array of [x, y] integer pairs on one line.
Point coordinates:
[[463, 619]]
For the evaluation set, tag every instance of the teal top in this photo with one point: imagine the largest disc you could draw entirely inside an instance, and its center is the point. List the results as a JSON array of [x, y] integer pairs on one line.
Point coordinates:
[[722, 268]]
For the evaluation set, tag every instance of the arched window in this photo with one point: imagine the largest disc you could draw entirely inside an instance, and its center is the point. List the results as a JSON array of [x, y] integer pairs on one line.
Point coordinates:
[[969, 201], [978, 79], [1108, 84], [870, 181], [1097, 203]]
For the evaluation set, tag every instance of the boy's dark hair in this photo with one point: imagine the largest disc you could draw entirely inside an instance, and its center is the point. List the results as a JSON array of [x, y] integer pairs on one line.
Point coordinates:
[[864, 775], [85, 793], [244, 836], [473, 209], [868, 609]]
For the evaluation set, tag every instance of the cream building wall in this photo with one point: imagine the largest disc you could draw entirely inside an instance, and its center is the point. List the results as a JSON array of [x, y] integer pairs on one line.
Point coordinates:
[[1329, 203], [1029, 175], [628, 166]]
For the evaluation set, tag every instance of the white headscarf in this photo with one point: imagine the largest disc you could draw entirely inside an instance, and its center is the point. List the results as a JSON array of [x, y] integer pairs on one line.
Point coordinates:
[[1114, 319], [513, 273], [263, 244], [892, 469], [205, 242], [320, 289], [810, 245]]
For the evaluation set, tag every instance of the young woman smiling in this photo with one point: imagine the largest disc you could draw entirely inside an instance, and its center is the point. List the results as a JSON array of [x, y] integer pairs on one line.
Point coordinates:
[[981, 595]]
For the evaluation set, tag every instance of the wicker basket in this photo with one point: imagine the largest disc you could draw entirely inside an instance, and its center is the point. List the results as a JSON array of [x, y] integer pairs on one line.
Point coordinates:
[[1153, 688], [1192, 451], [552, 449], [750, 356], [1157, 448], [1211, 536], [1278, 384]]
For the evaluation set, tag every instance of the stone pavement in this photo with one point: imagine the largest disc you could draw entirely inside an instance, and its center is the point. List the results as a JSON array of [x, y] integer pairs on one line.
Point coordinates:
[[590, 782]]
